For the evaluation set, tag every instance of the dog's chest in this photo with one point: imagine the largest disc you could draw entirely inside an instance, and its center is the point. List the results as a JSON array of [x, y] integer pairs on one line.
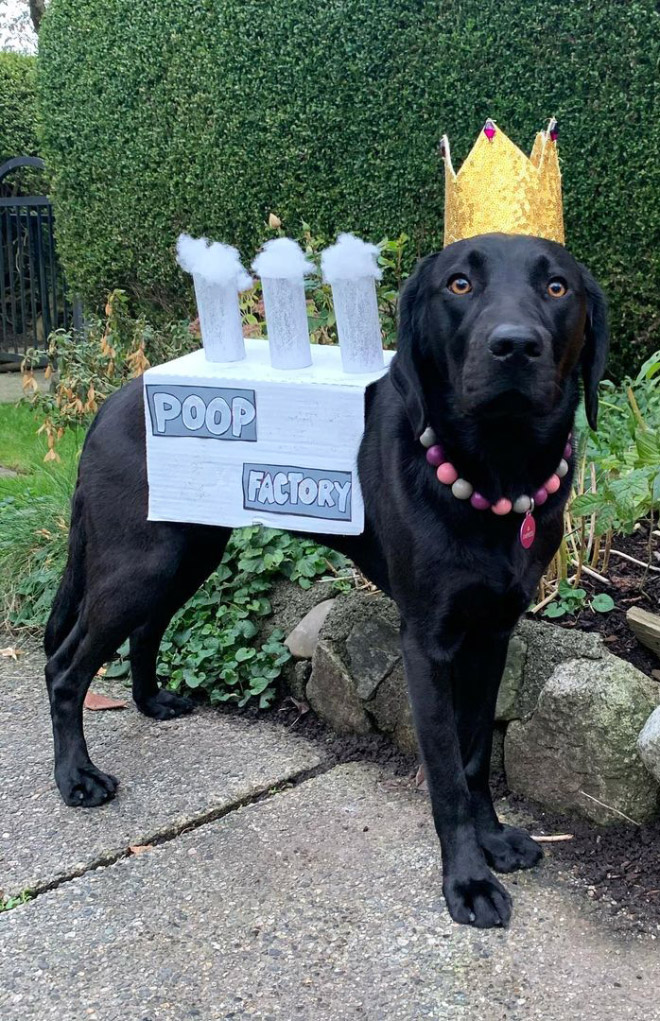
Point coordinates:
[[493, 589]]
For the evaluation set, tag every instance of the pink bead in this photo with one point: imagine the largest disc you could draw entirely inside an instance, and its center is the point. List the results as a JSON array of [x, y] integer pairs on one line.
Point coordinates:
[[479, 502], [489, 130], [435, 455], [540, 496], [447, 474], [568, 450], [553, 484], [502, 507]]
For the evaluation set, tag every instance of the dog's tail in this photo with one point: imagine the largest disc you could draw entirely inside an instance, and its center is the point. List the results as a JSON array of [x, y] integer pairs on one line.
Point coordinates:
[[68, 598]]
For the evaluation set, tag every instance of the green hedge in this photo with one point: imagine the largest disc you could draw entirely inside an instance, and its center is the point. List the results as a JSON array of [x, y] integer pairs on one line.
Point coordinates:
[[206, 114], [18, 112]]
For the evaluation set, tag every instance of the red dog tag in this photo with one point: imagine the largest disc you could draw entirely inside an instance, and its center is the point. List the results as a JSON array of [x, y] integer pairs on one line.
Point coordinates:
[[527, 530]]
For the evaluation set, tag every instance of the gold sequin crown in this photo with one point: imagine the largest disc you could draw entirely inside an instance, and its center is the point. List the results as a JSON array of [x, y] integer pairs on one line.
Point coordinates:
[[499, 190]]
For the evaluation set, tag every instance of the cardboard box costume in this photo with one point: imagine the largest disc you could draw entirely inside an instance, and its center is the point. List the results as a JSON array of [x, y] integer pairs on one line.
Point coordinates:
[[250, 432]]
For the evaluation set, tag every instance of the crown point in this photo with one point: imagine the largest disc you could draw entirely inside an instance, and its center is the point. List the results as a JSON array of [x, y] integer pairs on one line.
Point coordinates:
[[490, 130]]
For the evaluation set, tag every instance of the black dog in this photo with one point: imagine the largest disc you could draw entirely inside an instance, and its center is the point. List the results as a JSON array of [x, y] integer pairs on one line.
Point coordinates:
[[494, 333]]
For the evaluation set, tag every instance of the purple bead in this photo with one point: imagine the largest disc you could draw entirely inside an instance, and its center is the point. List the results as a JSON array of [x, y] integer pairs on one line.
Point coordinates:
[[479, 502], [489, 130], [540, 496], [568, 450], [435, 455]]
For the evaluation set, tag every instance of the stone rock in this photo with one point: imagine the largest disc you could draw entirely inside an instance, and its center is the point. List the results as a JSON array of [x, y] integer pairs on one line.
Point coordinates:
[[580, 743], [508, 697], [332, 695], [358, 607], [302, 641], [547, 647], [289, 603], [373, 650], [299, 677], [648, 744], [391, 711]]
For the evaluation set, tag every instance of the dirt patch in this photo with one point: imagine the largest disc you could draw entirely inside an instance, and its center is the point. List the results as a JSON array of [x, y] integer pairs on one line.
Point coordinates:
[[629, 584], [619, 865]]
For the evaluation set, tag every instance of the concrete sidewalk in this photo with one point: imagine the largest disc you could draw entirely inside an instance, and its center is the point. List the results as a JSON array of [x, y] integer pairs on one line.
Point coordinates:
[[283, 887], [11, 385]]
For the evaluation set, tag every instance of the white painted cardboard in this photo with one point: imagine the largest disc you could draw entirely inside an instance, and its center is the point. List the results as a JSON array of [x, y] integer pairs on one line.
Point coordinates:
[[244, 443]]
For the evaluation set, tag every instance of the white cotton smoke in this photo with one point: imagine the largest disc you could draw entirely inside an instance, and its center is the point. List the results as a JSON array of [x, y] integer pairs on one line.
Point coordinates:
[[282, 259], [218, 277], [349, 259], [350, 266], [282, 266], [217, 263]]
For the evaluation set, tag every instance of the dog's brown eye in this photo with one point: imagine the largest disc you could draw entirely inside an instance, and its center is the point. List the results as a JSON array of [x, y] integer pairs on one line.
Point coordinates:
[[557, 288], [459, 285]]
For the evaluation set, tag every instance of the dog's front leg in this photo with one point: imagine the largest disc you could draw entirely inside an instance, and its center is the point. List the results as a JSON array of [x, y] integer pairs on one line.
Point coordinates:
[[477, 672], [472, 892]]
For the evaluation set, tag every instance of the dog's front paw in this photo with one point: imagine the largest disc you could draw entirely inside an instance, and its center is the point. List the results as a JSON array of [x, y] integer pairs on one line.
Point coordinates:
[[165, 705], [509, 849], [477, 899], [85, 786]]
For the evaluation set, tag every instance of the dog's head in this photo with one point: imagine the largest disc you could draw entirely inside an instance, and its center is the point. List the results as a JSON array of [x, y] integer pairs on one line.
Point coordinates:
[[497, 326]]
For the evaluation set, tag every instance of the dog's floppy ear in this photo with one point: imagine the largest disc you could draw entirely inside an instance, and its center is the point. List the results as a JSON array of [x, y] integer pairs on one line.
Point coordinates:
[[596, 345], [406, 370]]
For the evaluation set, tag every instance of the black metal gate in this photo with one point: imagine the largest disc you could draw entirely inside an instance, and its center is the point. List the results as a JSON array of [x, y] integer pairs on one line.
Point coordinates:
[[33, 294]]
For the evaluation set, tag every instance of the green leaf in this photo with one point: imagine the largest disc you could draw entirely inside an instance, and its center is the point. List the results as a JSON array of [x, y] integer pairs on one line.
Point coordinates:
[[121, 668], [258, 684], [587, 503], [192, 678], [648, 450], [554, 610], [244, 654], [602, 603]]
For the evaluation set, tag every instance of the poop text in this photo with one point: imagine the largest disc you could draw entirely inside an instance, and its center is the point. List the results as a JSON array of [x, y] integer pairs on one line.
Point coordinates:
[[209, 412]]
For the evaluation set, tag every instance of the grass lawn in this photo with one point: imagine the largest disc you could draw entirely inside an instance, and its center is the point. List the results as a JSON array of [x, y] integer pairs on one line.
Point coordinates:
[[34, 516], [24, 451]]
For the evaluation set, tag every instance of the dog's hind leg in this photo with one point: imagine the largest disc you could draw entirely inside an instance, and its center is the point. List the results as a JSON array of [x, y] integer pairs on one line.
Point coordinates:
[[64, 612], [477, 672], [128, 584], [69, 672], [202, 560]]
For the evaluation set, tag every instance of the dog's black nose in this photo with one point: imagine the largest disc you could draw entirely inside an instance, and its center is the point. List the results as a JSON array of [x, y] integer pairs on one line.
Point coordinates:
[[509, 340]]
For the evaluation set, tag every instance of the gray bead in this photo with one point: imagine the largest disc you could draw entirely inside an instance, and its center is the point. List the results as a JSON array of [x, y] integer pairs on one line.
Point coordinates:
[[562, 468], [427, 439], [462, 490], [522, 505]]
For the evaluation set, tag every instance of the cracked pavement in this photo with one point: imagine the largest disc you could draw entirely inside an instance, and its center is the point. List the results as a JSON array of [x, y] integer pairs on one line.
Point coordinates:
[[281, 886]]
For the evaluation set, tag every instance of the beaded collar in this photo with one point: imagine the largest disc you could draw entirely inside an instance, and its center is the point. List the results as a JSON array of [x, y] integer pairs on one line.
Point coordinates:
[[463, 490]]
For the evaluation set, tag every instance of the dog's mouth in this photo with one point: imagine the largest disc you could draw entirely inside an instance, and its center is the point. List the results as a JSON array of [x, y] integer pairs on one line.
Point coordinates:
[[509, 399]]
